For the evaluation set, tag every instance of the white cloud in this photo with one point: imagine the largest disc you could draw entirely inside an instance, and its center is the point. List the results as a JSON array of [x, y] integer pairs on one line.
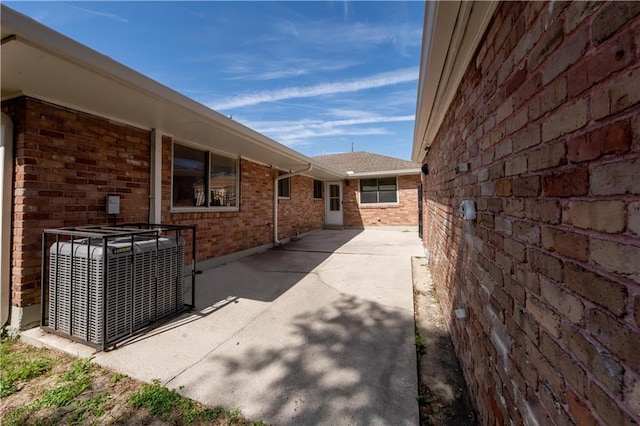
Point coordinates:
[[293, 132], [258, 68], [379, 80], [306, 136], [289, 126], [101, 14]]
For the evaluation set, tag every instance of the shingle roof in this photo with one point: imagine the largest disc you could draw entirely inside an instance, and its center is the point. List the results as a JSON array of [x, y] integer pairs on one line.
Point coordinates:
[[360, 162]]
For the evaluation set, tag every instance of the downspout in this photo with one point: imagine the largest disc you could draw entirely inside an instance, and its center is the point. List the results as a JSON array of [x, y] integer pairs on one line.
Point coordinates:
[[155, 202], [6, 171], [276, 241]]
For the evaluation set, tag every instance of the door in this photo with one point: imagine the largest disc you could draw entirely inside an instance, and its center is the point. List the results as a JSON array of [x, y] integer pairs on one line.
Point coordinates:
[[333, 209]]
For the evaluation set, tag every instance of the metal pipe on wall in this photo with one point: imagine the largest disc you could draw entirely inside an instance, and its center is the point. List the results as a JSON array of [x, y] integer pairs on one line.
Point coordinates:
[[276, 241], [6, 170]]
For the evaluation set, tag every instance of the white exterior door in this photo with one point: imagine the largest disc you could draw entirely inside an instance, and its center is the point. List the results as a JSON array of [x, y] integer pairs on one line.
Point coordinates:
[[333, 210]]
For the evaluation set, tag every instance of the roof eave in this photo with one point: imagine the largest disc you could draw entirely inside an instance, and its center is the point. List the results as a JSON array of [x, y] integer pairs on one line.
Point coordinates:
[[29, 34], [451, 34], [384, 173]]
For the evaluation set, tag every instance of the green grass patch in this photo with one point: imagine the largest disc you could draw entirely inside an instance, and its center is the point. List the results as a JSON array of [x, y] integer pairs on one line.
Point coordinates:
[[421, 346], [165, 403], [117, 377], [18, 367], [85, 393], [159, 400]]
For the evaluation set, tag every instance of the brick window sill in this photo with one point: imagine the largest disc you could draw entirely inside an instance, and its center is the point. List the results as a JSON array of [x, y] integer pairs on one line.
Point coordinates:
[[379, 206]]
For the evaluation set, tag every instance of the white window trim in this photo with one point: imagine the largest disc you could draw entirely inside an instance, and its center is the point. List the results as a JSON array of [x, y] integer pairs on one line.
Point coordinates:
[[193, 209], [380, 205]]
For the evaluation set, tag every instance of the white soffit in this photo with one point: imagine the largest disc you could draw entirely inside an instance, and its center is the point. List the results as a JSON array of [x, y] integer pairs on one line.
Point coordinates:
[[451, 34], [44, 64]]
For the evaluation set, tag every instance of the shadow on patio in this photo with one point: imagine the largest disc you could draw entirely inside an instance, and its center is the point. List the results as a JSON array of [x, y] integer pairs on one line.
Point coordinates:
[[346, 364]]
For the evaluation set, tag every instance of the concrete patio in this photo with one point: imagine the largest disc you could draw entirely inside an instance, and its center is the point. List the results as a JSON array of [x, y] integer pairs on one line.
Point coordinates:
[[318, 331]]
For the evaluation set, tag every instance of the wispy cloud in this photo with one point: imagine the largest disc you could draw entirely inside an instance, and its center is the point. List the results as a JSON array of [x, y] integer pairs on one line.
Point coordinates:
[[101, 14], [379, 80], [345, 10], [283, 127], [307, 136], [292, 132], [286, 69]]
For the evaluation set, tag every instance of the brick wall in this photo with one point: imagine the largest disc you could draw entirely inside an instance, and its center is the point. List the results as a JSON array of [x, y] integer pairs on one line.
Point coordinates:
[[404, 214], [301, 212], [548, 117], [221, 233], [66, 162]]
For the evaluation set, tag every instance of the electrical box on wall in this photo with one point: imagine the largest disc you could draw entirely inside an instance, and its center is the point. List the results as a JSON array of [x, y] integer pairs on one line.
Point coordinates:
[[113, 204], [468, 209]]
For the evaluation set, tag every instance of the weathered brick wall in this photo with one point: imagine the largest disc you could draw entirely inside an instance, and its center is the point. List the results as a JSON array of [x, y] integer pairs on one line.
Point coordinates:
[[221, 233], [404, 214], [66, 162], [548, 116]]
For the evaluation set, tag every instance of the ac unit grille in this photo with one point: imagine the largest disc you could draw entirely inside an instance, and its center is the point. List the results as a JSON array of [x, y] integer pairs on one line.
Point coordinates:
[[143, 284]]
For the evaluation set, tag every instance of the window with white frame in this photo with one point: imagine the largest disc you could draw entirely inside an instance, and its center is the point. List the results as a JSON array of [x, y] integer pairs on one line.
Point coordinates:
[[284, 186], [379, 190], [204, 179]]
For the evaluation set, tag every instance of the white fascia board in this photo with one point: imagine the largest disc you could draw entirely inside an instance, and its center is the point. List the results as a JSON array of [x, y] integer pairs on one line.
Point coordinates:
[[452, 32], [384, 173]]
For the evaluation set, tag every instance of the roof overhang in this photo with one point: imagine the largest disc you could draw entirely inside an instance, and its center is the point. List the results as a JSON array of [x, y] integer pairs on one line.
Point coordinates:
[[383, 173], [451, 33], [44, 64]]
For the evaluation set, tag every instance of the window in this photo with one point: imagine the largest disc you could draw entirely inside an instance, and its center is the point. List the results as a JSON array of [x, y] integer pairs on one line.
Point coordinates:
[[317, 189], [382, 190], [203, 179], [284, 186]]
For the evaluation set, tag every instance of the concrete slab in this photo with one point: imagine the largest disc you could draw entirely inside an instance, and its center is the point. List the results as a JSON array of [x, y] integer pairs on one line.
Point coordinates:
[[318, 331]]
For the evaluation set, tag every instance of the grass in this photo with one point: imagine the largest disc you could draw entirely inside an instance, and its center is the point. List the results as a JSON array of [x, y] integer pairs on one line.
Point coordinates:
[[17, 368], [46, 387], [421, 347]]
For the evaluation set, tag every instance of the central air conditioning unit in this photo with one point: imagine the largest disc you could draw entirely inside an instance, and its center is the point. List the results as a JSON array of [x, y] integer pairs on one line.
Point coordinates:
[[102, 290]]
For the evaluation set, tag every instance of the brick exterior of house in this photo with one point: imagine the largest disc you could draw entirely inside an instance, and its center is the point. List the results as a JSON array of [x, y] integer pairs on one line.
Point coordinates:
[[67, 161], [404, 214], [222, 233], [548, 116]]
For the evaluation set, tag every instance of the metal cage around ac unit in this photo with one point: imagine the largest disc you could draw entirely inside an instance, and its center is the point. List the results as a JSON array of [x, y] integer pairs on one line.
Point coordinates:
[[103, 289]]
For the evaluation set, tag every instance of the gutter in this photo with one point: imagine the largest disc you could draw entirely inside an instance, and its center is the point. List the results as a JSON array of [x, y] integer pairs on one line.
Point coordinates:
[[383, 173], [276, 241]]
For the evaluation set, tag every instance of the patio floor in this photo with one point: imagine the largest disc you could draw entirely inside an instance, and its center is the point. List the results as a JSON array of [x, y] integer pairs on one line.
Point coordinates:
[[318, 331]]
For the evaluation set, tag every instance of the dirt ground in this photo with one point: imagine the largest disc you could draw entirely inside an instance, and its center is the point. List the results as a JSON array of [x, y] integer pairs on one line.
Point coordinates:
[[443, 397]]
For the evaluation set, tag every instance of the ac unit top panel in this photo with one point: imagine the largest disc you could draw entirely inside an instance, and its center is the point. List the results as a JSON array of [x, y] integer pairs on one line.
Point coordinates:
[[93, 247]]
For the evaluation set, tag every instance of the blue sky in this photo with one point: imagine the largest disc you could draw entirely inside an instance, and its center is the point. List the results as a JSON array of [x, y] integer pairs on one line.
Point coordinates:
[[315, 76]]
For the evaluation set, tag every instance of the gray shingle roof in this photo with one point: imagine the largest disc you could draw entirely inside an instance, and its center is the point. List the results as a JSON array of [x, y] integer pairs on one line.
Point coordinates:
[[361, 161]]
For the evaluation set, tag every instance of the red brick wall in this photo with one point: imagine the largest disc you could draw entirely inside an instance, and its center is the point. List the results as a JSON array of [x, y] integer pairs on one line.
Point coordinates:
[[548, 116], [221, 233], [404, 214], [300, 213], [66, 162]]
